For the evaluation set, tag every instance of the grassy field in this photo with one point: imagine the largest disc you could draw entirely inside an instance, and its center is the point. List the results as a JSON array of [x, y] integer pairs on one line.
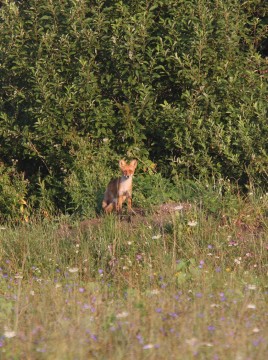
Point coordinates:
[[181, 282]]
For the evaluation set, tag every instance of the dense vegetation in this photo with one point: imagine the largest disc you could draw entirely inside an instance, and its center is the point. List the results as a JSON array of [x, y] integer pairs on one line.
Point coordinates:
[[179, 85], [187, 284]]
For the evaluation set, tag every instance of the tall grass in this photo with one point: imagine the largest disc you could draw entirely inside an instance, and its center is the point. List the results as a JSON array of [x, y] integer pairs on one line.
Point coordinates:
[[180, 283]]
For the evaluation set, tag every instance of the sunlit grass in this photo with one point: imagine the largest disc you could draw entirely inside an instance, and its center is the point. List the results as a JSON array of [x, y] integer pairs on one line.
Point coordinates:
[[189, 284]]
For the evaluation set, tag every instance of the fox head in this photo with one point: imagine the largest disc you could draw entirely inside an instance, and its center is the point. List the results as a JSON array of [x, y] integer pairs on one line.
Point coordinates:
[[128, 169]]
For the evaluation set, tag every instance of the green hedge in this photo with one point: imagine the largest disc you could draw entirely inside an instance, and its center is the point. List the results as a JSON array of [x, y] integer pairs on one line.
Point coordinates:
[[182, 84]]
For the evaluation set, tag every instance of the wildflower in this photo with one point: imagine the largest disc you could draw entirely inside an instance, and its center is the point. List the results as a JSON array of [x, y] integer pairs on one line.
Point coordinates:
[[179, 207], [155, 292], [238, 261], [140, 338], [252, 287], [215, 305], [73, 270], [122, 315], [233, 243], [201, 263], [208, 344], [256, 330], [251, 306], [32, 292], [192, 223], [156, 237], [210, 247], [18, 276], [211, 328], [148, 346], [192, 342], [9, 333], [100, 271], [138, 257], [81, 290]]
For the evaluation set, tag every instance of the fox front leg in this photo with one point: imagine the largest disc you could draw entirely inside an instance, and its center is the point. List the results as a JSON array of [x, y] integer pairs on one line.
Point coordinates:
[[129, 204], [119, 204]]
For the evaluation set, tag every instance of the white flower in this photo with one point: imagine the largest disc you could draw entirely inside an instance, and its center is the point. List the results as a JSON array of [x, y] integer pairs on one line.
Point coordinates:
[[58, 285], [192, 223], [179, 207], [156, 237], [18, 276], [251, 306], [155, 292], [252, 287], [148, 346], [73, 270], [32, 292], [215, 305], [256, 330], [9, 334], [122, 315], [192, 342]]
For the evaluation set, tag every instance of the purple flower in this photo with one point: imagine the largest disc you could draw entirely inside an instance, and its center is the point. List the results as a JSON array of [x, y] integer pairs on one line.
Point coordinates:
[[173, 314], [257, 342], [100, 271], [210, 247], [198, 295], [94, 337], [158, 310], [81, 290], [138, 257], [211, 328], [140, 338]]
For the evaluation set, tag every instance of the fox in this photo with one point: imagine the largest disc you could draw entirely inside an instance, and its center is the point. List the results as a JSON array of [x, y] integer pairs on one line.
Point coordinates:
[[119, 190]]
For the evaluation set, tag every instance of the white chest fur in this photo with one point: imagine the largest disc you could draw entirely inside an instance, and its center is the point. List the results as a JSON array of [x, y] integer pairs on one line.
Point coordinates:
[[125, 187]]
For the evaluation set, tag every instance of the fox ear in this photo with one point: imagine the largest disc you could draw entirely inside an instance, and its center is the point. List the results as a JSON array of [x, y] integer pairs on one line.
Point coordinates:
[[122, 163], [134, 163]]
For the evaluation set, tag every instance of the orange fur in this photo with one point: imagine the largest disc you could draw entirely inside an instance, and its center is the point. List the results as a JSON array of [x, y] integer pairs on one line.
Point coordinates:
[[119, 190]]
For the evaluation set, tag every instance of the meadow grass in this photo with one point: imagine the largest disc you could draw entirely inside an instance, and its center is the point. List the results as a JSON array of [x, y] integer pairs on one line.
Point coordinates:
[[180, 284]]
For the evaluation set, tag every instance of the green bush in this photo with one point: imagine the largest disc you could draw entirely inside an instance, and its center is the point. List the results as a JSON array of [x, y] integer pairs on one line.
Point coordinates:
[[87, 179], [13, 194], [181, 84]]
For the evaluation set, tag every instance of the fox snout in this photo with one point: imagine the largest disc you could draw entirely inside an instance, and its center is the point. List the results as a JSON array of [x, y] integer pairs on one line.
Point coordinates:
[[127, 175]]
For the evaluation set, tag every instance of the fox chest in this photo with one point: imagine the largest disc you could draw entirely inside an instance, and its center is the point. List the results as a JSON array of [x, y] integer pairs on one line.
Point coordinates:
[[125, 187]]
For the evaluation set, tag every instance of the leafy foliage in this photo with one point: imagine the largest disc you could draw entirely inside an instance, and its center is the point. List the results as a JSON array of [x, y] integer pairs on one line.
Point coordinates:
[[180, 83]]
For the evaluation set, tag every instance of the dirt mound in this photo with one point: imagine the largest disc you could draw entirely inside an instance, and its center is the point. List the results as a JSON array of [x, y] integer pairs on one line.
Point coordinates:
[[159, 216]]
